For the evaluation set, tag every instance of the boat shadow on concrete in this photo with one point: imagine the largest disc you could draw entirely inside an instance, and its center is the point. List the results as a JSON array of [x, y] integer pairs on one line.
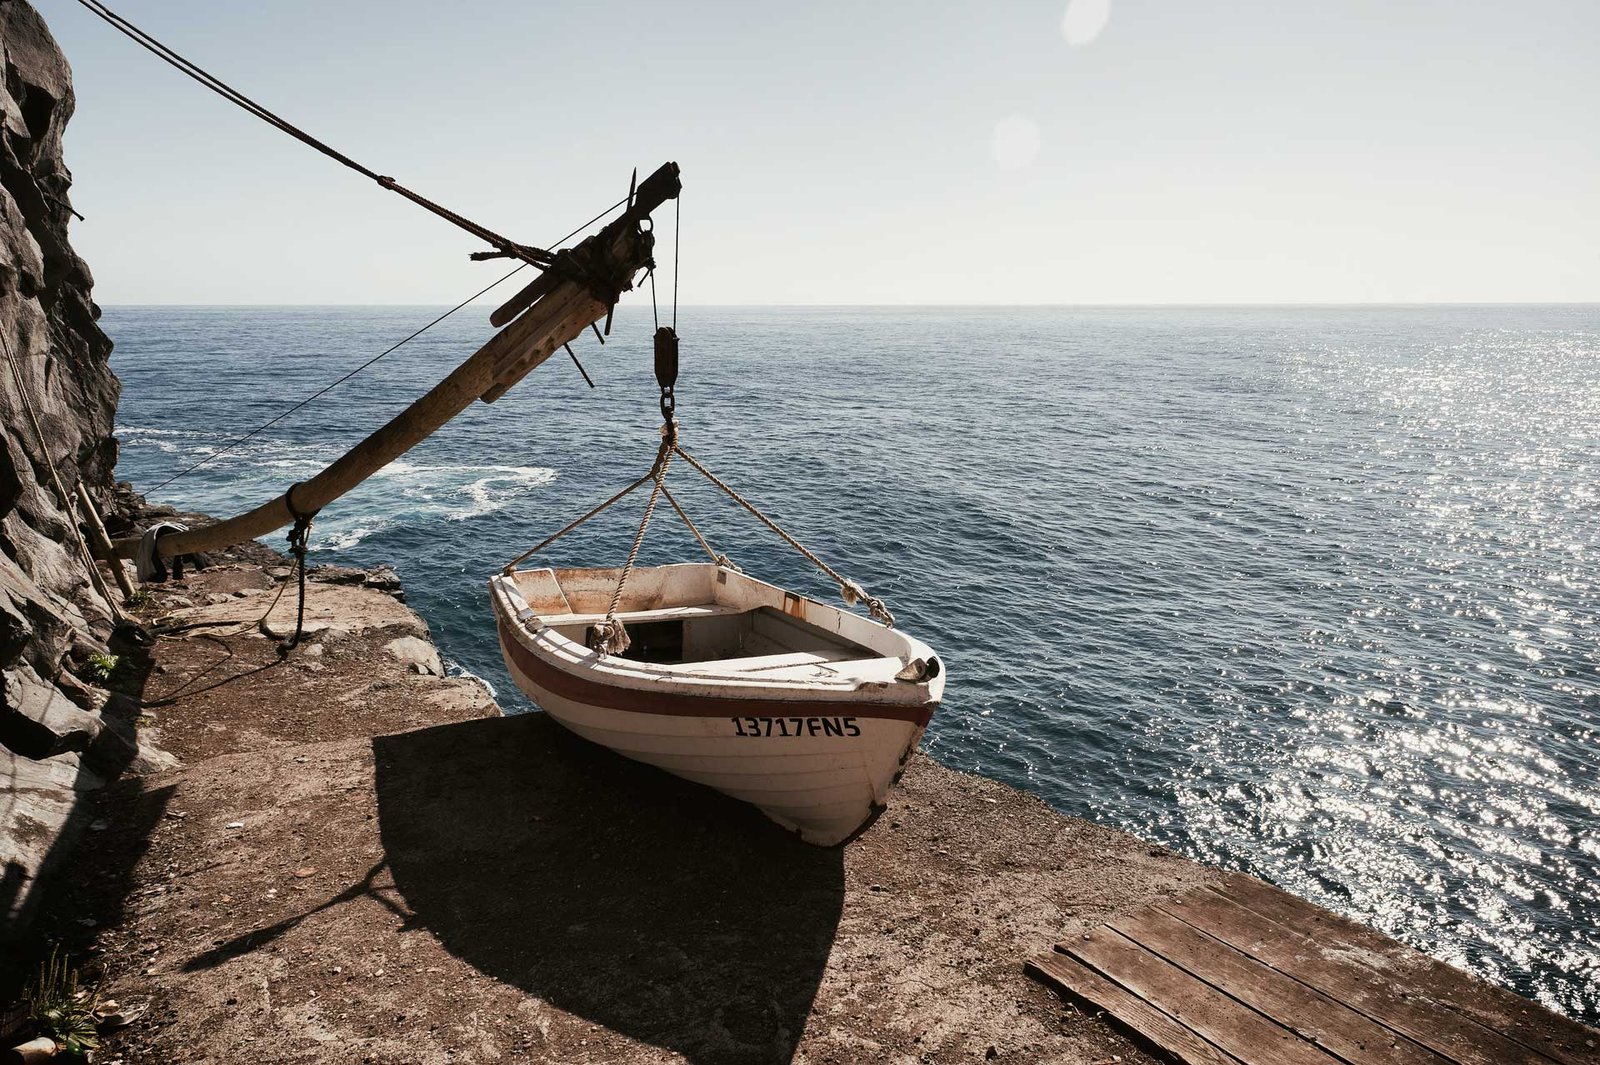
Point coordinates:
[[654, 907]]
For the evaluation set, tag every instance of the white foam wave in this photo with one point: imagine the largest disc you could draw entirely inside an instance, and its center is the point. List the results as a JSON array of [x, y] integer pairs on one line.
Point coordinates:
[[490, 488], [141, 430], [452, 668], [292, 464], [404, 492], [413, 493], [343, 539]]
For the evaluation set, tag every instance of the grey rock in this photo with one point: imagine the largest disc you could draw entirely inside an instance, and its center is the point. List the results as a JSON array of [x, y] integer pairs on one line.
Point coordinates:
[[337, 575], [418, 654], [39, 721], [380, 578], [86, 697]]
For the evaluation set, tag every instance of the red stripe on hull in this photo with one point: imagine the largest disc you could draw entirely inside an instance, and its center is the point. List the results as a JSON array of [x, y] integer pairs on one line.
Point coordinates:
[[612, 697]]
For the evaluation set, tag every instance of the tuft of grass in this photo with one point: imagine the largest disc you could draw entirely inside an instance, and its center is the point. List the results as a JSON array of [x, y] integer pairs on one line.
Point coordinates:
[[140, 599], [60, 1009], [100, 666]]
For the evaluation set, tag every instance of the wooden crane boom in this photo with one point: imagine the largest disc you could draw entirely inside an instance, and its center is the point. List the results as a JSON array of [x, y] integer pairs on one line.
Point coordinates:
[[578, 290]]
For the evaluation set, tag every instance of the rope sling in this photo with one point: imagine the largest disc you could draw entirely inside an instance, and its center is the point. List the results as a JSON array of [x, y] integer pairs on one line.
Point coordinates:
[[611, 636]]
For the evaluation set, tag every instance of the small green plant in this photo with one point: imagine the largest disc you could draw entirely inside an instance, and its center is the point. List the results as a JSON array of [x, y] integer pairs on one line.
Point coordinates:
[[60, 1010], [140, 599], [100, 666]]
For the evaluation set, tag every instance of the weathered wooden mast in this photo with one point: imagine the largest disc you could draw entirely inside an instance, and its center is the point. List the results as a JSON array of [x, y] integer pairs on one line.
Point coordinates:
[[580, 288]]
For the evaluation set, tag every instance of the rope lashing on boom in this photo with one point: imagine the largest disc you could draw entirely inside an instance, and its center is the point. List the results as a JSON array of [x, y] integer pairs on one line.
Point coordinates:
[[299, 544]]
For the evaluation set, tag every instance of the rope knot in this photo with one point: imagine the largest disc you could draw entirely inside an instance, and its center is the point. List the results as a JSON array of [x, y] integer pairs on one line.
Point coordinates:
[[609, 637], [852, 593], [299, 544]]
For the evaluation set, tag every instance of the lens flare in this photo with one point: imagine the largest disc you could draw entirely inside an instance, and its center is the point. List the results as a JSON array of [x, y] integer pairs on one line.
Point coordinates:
[[1084, 19]]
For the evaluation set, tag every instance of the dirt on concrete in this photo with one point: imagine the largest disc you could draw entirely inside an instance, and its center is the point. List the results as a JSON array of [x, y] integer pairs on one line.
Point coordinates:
[[359, 861]]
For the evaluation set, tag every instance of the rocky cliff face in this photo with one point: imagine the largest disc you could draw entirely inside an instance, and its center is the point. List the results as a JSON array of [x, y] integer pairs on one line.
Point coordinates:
[[53, 734]]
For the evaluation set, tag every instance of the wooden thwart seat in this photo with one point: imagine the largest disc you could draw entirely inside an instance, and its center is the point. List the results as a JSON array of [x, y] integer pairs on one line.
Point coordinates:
[[630, 617], [836, 656], [1246, 974]]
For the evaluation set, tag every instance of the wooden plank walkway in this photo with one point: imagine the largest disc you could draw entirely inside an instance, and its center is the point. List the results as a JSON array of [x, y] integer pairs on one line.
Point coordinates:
[[1245, 974]]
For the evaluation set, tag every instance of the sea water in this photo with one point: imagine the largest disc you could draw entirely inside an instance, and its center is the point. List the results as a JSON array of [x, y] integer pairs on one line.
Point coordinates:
[[1308, 592]]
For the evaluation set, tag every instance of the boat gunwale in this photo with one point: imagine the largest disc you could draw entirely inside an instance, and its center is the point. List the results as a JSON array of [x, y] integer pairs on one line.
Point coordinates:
[[573, 671]]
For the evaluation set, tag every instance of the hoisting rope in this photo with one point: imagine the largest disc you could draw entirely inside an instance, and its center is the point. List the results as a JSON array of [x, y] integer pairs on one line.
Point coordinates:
[[534, 256], [553, 537], [721, 560], [611, 636]]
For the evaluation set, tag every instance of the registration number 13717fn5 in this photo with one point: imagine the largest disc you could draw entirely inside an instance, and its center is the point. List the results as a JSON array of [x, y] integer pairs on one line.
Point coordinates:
[[795, 726]]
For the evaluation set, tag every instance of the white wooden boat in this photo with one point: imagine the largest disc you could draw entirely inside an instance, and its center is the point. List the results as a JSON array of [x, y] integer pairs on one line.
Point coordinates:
[[805, 710]]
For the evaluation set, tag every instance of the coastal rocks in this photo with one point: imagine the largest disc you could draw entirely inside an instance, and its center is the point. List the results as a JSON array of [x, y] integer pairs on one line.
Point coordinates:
[[53, 372], [332, 610], [379, 578], [420, 656], [39, 721]]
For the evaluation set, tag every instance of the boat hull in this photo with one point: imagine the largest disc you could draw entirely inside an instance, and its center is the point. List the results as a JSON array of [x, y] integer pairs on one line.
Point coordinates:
[[817, 760]]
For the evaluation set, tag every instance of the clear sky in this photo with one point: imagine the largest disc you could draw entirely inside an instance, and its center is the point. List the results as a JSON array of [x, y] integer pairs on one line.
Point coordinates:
[[1097, 151]]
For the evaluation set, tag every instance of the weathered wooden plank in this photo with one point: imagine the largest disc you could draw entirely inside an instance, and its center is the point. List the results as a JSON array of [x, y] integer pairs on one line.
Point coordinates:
[[511, 344], [1329, 968], [527, 297], [1204, 1010], [534, 358], [1133, 1012], [1333, 1026], [516, 364], [1494, 1007]]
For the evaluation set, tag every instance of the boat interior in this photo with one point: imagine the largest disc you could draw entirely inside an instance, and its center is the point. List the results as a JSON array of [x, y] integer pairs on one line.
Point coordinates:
[[674, 617]]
